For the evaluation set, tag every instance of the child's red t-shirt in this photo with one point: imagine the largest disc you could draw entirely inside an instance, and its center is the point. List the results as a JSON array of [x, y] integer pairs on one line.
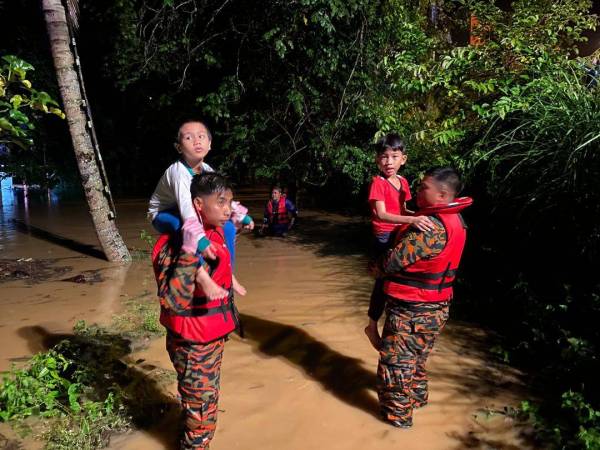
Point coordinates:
[[394, 199]]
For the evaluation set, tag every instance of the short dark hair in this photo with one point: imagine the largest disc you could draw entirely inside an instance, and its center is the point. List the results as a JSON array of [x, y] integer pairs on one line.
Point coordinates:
[[193, 120], [447, 176], [208, 183], [390, 140], [276, 187]]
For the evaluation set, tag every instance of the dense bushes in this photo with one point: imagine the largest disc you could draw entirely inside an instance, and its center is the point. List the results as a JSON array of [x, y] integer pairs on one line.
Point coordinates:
[[536, 243]]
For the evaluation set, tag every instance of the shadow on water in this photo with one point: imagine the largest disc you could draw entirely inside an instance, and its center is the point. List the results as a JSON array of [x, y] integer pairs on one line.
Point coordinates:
[[471, 440], [62, 241], [342, 375], [328, 236], [345, 377], [103, 357]]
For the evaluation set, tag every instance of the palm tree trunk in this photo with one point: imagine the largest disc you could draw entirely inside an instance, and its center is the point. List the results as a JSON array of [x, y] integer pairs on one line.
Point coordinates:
[[112, 244]]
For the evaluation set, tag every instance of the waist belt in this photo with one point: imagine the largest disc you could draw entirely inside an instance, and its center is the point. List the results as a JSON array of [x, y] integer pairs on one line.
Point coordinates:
[[395, 304]]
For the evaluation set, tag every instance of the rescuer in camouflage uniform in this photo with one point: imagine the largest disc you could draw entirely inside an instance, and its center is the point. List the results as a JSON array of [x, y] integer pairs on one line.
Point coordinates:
[[197, 326], [418, 274]]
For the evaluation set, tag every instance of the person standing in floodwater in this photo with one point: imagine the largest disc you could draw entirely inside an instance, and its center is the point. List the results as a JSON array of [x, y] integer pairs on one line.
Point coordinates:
[[280, 214], [388, 195], [419, 272], [197, 326]]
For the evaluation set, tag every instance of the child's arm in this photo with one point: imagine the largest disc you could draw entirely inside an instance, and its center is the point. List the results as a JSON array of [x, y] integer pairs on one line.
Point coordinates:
[[240, 217], [423, 223]]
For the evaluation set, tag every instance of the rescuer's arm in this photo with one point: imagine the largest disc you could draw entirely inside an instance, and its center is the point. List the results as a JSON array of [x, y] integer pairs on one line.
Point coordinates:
[[423, 223], [412, 247]]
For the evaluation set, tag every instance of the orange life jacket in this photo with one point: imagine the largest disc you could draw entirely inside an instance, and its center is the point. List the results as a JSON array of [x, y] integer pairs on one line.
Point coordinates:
[[205, 320], [281, 215], [430, 280]]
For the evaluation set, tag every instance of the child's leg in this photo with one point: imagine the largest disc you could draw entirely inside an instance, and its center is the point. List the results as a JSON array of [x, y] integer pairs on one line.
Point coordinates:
[[230, 232], [376, 307], [167, 221], [377, 301], [198, 369]]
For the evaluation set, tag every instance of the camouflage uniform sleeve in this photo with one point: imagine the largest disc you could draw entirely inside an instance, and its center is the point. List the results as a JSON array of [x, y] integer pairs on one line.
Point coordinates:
[[415, 245], [176, 280]]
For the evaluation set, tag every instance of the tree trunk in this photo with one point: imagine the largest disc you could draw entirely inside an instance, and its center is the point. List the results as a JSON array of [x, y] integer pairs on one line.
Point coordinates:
[[112, 244]]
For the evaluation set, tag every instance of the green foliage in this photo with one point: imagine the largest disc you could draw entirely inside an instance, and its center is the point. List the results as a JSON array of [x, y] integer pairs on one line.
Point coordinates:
[[147, 238], [19, 101], [551, 135], [587, 417], [442, 95], [40, 389], [88, 430], [53, 386]]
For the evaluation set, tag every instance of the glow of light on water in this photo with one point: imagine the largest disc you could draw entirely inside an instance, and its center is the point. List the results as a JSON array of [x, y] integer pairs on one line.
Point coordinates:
[[6, 187]]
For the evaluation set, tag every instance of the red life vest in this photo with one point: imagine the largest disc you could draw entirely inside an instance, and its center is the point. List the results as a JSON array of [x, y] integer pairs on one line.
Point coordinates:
[[430, 280], [205, 320], [281, 215]]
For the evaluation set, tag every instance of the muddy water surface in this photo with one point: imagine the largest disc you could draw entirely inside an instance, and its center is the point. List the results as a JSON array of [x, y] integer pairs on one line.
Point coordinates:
[[303, 377]]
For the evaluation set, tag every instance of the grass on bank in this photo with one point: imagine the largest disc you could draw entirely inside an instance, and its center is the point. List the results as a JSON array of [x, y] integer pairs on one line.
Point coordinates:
[[84, 389]]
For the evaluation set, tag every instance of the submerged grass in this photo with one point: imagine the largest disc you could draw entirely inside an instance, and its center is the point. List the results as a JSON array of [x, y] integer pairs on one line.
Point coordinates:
[[86, 387], [72, 414], [140, 318]]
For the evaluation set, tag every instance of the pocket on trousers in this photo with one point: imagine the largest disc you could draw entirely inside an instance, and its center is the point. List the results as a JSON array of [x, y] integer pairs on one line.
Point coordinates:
[[430, 323], [397, 325]]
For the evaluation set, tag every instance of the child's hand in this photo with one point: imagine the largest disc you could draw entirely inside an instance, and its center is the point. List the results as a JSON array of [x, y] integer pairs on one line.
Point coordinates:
[[249, 226], [237, 287], [211, 289], [422, 223], [209, 252]]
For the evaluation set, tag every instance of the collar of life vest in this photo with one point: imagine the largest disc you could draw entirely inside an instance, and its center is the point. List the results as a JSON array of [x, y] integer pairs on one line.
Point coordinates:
[[454, 207]]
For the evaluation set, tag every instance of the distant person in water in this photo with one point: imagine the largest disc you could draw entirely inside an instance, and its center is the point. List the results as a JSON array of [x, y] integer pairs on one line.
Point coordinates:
[[418, 275], [280, 214], [171, 205], [197, 327], [388, 195]]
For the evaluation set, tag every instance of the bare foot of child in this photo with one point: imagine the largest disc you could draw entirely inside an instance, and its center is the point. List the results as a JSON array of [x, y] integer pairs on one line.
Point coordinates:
[[237, 287], [373, 335], [211, 289]]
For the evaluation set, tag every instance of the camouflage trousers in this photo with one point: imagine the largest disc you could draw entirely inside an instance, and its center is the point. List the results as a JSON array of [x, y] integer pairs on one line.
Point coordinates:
[[409, 333], [198, 369]]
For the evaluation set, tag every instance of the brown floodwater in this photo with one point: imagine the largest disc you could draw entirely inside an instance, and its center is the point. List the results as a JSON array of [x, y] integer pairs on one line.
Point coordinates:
[[303, 377]]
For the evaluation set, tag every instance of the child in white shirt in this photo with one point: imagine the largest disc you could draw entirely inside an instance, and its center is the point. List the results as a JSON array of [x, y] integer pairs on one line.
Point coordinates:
[[171, 202]]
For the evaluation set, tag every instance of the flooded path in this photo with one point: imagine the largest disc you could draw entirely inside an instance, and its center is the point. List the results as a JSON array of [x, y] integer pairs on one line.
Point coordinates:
[[303, 378]]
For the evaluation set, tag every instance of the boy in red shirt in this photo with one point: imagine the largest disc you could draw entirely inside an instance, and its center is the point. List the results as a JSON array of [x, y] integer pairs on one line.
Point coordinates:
[[388, 195]]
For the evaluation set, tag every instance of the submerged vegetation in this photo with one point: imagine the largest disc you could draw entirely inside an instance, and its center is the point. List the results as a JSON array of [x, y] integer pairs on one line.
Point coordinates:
[[85, 388]]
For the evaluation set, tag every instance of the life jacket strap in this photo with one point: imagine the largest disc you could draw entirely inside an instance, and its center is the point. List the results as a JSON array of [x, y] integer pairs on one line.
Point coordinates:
[[448, 273], [199, 308], [420, 284]]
